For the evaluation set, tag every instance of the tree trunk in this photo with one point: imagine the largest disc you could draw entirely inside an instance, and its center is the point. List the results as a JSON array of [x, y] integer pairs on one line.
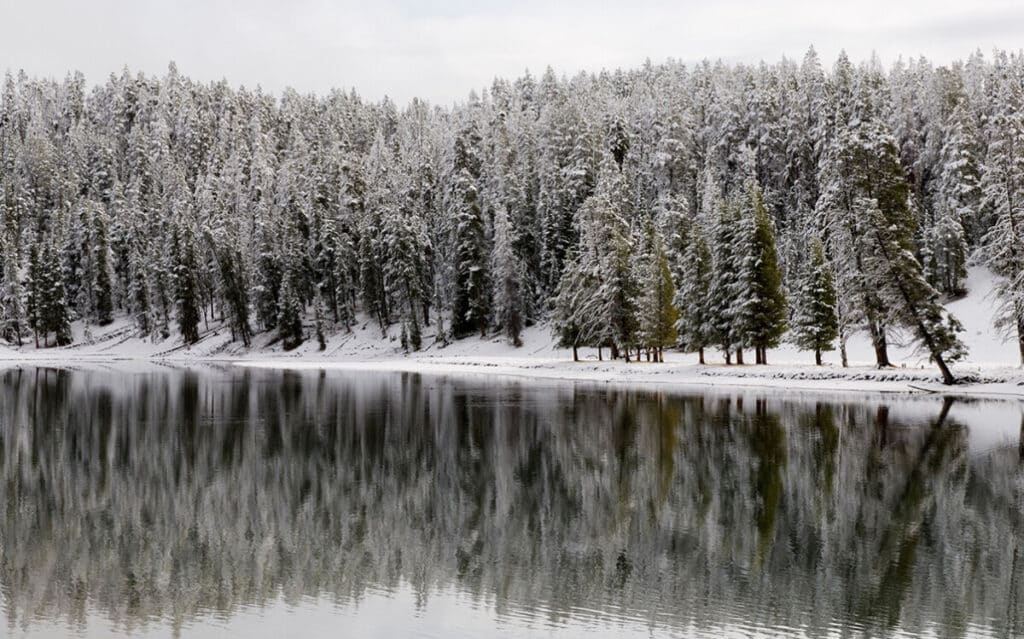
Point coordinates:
[[1020, 338], [700, 355], [947, 377], [615, 351], [600, 355], [575, 354], [880, 344], [728, 357], [817, 357], [739, 356]]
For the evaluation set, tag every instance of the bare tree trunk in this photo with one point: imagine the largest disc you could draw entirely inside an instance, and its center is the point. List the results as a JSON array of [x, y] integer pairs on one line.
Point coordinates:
[[575, 354], [700, 355], [600, 355], [739, 356], [817, 357], [880, 344], [1020, 337]]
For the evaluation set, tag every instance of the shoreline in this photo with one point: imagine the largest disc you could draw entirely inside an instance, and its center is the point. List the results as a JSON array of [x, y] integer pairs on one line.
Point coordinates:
[[996, 384]]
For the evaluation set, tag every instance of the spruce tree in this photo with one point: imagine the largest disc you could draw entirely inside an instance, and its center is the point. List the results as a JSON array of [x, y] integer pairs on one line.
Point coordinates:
[[657, 314], [693, 301], [471, 295], [763, 315], [185, 265], [1003, 202], [103, 302], [12, 294], [508, 276], [814, 325], [289, 318]]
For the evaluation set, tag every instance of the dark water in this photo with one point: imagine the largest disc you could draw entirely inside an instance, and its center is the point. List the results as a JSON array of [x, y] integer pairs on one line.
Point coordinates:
[[250, 503]]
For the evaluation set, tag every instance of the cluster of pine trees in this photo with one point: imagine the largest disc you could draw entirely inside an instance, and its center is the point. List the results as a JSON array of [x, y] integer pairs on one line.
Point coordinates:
[[726, 206]]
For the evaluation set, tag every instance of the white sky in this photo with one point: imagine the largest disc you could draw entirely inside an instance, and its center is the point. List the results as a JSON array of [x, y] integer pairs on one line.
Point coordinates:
[[441, 50]]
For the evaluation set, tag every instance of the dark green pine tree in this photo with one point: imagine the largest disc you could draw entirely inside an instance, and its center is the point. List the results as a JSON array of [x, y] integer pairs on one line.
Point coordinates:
[[657, 314], [268, 279], [764, 313], [138, 288], [289, 317], [693, 299], [814, 323], [185, 265], [234, 286], [48, 309], [103, 300], [471, 296]]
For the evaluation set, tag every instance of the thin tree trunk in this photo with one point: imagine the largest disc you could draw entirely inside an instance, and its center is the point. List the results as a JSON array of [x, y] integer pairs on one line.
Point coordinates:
[[728, 357], [575, 354], [739, 356], [817, 357], [700, 355]]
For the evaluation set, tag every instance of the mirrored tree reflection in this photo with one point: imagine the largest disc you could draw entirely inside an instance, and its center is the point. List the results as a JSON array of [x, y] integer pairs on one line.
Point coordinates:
[[167, 495]]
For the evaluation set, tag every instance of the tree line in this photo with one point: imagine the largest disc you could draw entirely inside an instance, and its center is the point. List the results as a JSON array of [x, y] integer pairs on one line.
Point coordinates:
[[704, 206]]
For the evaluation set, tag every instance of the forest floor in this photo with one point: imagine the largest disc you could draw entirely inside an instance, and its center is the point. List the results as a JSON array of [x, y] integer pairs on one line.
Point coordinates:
[[991, 370]]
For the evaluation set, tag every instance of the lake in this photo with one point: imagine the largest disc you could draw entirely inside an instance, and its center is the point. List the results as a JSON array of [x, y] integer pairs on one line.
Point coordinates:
[[151, 501]]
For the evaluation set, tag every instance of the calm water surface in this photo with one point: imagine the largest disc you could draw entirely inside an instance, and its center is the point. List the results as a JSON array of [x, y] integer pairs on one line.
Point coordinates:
[[251, 503]]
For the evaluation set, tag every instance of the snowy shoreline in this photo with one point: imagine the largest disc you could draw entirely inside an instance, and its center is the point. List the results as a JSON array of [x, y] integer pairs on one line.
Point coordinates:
[[677, 372], [992, 365]]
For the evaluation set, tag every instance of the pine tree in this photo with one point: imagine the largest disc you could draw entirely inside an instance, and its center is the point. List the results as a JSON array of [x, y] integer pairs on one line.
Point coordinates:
[[762, 316], [471, 302], [48, 309], [724, 292], [814, 323], [657, 314], [956, 199], [508, 276], [103, 302], [574, 318], [12, 294], [289, 318], [1003, 200], [185, 265], [693, 300]]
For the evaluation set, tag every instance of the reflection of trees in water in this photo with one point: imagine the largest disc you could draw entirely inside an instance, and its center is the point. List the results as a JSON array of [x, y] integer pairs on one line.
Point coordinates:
[[174, 494]]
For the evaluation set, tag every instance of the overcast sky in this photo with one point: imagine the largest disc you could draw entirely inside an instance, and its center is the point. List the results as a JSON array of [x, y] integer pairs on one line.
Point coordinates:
[[404, 48]]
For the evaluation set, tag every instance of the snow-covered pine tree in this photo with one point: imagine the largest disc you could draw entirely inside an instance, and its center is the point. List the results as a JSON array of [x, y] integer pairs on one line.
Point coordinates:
[[656, 311], [1003, 200], [48, 308], [471, 301], [12, 292], [762, 314], [813, 325], [693, 297], [574, 316], [507, 276], [185, 265], [954, 200], [102, 296], [290, 306]]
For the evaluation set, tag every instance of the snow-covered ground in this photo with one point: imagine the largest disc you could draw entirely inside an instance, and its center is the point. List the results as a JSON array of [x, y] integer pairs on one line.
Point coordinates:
[[992, 366]]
